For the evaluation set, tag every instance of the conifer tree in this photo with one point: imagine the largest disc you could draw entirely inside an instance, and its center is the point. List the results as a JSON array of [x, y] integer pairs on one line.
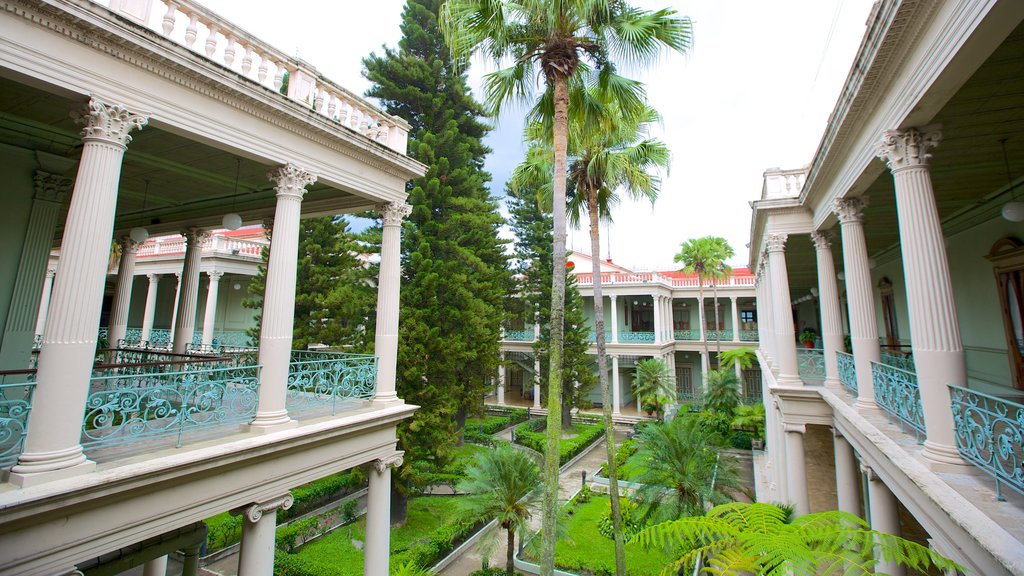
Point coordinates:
[[455, 274]]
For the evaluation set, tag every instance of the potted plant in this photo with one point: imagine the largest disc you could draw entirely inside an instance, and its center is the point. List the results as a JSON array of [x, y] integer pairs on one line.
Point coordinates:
[[808, 337]]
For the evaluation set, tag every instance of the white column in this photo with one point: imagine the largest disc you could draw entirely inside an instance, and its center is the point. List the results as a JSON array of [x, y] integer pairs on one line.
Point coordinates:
[[938, 351], [657, 310], [765, 333], [378, 516], [616, 387], [279, 300], [44, 300], [501, 380], [735, 319], [884, 514], [785, 339], [847, 475], [700, 319], [388, 286], [860, 299], [188, 291], [615, 319], [796, 469], [828, 300], [739, 375], [705, 367], [147, 316], [536, 381], [670, 324], [259, 522], [155, 567], [210, 314], [52, 448], [118, 323], [174, 311]]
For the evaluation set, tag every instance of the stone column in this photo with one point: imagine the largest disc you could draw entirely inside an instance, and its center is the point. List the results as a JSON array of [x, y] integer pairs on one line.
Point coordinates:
[[828, 300], [765, 333], [155, 567], [279, 301], [785, 339], [52, 448], [174, 311], [388, 285], [118, 323], [615, 319], [705, 367], [536, 381], [780, 454], [190, 560], [32, 280], [670, 324], [616, 387], [44, 301], [700, 319], [735, 319], [659, 334], [884, 515], [259, 522], [147, 316], [501, 380], [796, 469], [860, 298], [938, 351], [847, 475], [378, 516], [188, 291], [210, 314]]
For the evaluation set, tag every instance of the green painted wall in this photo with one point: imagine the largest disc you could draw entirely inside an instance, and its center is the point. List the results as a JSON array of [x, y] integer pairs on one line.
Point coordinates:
[[19, 168]]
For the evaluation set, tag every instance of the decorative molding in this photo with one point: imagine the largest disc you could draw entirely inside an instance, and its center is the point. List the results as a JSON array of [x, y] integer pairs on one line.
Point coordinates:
[[128, 246], [822, 239], [215, 275], [393, 461], [849, 209], [791, 427], [909, 148], [195, 236], [51, 187], [394, 212], [776, 242], [291, 180], [51, 272], [107, 122], [255, 512]]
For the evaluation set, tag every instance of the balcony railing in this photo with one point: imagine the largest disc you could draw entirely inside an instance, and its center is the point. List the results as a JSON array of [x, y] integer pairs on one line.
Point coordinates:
[[897, 392], [162, 338], [687, 334], [316, 379], [217, 244], [748, 335], [990, 434], [847, 371], [811, 364], [15, 404], [723, 335], [519, 335], [901, 361], [587, 279], [636, 336]]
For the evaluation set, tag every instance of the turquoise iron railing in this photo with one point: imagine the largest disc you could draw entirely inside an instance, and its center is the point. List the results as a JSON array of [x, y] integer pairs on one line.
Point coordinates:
[[15, 404], [123, 409], [847, 371], [687, 334], [901, 361], [990, 434], [318, 378], [748, 335], [592, 336], [811, 364], [713, 335], [896, 391], [636, 336], [519, 335]]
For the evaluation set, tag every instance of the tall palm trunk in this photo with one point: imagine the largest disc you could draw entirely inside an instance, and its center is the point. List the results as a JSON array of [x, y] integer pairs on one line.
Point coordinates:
[[549, 506], [606, 387], [510, 564]]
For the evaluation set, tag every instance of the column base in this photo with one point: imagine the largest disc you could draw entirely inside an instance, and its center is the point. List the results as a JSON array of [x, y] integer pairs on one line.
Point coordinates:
[[943, 458], [383, 401], [789, 381], [28, 473], [270, 423], [865, 404]]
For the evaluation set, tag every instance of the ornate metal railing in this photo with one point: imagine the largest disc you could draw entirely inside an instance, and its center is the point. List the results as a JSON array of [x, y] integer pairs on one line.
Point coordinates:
[[724, 335], [748, 335], [519, 335], [990, 434], [896, 391], [316, 379], [811, 364], [15, 404], [592, 336], [636, 336], [847, 371], [687, 334], [901, 361], [123, 409]]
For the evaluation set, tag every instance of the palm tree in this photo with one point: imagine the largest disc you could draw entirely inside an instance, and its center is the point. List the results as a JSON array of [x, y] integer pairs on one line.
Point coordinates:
[[706, 257], [723, 393], [502, 485], [653, 382], [681, 470], [558, 39], [739, 539]]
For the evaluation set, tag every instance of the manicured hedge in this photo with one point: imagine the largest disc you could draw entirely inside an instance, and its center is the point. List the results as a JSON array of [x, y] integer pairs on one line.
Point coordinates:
[[531, 435]]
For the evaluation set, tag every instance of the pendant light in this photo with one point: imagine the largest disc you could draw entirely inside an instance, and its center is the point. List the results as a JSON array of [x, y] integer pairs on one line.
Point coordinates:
[[233, 221], [139, 234], [1014, 209]]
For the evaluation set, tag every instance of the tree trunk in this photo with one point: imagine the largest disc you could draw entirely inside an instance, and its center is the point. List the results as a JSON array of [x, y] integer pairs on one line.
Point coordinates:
[[460, 426], [399, 503], [567, 392], [510, 563], [606, 387], [549, 507]]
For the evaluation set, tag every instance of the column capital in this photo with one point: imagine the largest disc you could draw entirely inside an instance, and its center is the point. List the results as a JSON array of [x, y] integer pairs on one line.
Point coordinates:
[[107, 122], [177, 275], [394, 212], [51, 272], [51, 187], [393, 461], [195, 235], [909, 148], [256, 510], [849, 209], [791, 427], [291, 180], [822, 239], [776, 242], [215, 275], [869, 472], [128, 245]]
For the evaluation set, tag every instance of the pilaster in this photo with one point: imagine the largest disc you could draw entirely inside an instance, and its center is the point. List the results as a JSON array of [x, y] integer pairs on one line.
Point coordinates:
[[388, 292], [828, 300]]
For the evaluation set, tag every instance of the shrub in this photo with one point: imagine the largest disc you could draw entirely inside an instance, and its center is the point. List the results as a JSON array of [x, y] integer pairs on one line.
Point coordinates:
[[493, 571], [583, 496], [631, 523], [531, 435], [741, 440]]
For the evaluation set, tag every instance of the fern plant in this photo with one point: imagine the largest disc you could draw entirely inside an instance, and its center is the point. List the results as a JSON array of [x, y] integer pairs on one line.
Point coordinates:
[[739, 539]]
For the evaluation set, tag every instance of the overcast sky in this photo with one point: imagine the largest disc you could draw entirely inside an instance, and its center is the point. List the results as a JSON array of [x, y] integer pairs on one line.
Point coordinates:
[[754, 92]]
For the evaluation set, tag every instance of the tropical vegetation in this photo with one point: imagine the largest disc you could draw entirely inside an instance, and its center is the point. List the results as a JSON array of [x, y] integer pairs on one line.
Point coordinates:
[[706, 257], [653, 384]]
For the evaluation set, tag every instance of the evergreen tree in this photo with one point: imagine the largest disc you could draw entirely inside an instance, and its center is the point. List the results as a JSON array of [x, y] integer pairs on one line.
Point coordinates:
[[455, 271]]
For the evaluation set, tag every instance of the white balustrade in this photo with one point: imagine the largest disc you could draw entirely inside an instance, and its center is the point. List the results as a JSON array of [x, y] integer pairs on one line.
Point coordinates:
[[586, 279]]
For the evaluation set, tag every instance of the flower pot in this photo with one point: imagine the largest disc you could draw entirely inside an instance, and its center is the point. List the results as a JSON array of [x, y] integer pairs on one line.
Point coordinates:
[[809, 344]]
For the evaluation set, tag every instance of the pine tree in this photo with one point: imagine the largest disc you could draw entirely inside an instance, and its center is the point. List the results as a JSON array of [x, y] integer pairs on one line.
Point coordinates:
[[455, 271]]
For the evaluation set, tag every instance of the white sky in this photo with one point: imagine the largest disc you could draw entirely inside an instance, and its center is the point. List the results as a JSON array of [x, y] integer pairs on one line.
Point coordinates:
[[755, 92]]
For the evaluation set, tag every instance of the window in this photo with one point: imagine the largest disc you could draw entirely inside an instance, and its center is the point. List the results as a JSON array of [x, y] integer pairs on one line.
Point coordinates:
[[747, 316], [1007, 258], [892, 328]]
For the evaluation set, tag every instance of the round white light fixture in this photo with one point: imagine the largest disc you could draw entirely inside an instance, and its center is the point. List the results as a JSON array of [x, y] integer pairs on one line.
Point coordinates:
[[841, 276], [1013, 211], [232, 221], [237, 286], [138, 234]]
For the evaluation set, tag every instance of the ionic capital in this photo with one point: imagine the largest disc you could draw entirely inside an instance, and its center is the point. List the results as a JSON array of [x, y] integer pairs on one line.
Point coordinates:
[[153, 278], [51, 272], [849, 209], [822, 239], [791, 427], [291, 181], [254, 512], [51, 187], [394, 212], [108, 122], [393, 461], [869, 472], [908, 148], [776, 242]]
